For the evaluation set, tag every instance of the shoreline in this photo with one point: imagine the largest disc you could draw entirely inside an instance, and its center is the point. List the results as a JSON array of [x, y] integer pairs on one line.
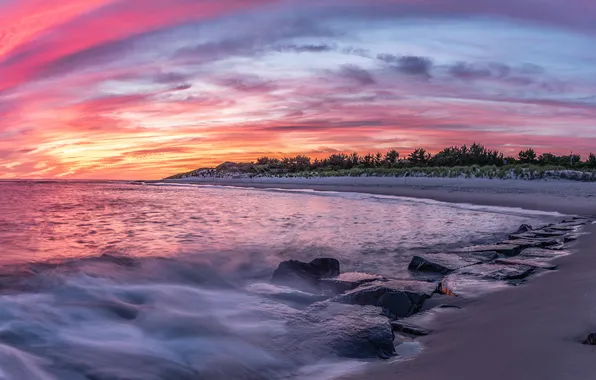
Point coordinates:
[[565, 197], [533, 331]]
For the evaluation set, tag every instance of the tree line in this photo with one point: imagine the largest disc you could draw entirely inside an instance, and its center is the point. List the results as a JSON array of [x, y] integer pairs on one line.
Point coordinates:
[[475, 154]]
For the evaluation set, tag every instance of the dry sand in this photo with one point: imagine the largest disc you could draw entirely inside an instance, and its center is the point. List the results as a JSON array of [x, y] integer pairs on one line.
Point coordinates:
[[529, 332]]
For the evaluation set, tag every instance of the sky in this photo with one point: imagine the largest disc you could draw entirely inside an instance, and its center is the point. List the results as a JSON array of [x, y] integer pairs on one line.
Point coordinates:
[[142, 89]]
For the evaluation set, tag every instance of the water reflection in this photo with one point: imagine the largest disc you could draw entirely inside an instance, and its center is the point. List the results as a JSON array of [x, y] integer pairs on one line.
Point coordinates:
[[236, 230]]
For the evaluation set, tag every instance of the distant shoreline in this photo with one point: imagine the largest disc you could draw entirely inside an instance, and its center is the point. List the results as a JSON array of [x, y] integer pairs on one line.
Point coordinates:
[[566, 197]]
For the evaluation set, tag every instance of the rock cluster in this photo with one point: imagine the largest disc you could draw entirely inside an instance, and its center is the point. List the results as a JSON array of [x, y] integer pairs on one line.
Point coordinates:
[[466, 272]]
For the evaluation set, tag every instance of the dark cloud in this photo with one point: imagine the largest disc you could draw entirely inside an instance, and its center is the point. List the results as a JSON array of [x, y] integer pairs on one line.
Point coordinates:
[[466, 71], [409, 64], [170, 77], [523, 75], [247, 83], [321, 125], [308, 48], [356, 74]]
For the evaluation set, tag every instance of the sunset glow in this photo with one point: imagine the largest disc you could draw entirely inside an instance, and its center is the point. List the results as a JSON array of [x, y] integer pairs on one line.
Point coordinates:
[[143, 89]]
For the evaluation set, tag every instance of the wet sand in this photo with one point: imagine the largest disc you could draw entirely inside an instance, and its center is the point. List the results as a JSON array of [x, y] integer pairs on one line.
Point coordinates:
[[566, 197], [532, 331]]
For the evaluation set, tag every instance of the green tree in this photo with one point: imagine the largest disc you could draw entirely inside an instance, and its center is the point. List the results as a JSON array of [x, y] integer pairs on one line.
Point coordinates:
[[591, 161], [419, 157], [391, 157], [527, 156]]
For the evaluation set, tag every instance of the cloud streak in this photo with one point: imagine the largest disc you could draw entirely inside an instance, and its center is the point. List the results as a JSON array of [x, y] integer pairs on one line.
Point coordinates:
[[110, 89]]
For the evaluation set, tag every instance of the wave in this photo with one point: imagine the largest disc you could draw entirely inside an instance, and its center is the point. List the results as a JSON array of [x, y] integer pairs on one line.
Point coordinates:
[[113, 317]]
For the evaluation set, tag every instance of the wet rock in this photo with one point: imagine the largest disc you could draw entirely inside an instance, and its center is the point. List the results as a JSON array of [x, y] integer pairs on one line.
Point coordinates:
[[347, 281], [556, 227], [440, 263], [548, 234], [398, 298], [497, 272], [305, 276], [532, 242], [440, 301], [485, 256], [570, 237], [502, 249], [461, 285], [590, 340], [523, 228], [536, 263], [571, 223], [350, 331], [406, 327], [542, 253]]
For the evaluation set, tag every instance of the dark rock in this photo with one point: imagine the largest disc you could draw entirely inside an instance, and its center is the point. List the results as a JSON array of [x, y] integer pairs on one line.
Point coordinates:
[[485, 256], [409, 328], [398, 298], [440, 262], [350, 331], [305, 276], [502, 249], [570, 237], [533, 242], [347, 281], [548, 234], [523, 228], [439, 300], [497, 271], [590, 340], [529, 262]]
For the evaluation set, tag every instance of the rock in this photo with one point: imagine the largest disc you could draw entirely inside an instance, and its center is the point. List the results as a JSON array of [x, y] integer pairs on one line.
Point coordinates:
[[498, 272], [485, 256], [405, 327], [548, 234], [533, 242], [440, 301], [529, 262], [503, 249], [398, 298], [523, 228], [590, 340], [350, 331], [440, 263], [571, 223], [459, 285], [556, 227], [570, 237], [305, 276], [542, 253], [347, 281]]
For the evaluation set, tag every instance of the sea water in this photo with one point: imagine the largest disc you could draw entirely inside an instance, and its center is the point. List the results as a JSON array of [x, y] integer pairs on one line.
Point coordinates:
[[114, 281]]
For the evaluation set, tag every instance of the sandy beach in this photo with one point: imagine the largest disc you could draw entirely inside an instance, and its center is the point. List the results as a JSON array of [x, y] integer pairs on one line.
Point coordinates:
[[532, 331], [566, 197], [528, 332]]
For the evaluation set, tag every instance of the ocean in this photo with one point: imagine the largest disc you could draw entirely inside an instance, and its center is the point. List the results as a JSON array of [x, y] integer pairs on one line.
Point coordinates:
[[115, 280]]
